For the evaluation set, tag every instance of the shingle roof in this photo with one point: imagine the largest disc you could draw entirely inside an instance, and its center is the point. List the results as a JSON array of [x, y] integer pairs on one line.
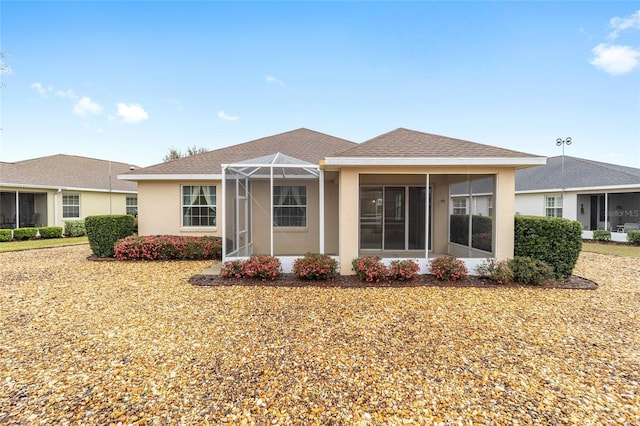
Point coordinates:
[[578, 173], [303, 144], [413, 144], [66, 171]]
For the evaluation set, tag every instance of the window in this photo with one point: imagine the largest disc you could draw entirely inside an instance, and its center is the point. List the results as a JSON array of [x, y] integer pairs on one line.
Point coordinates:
[[554, 205], [70, 206], [132, 205], [198, 205], [489, 205], [459, 205], [290, 206]]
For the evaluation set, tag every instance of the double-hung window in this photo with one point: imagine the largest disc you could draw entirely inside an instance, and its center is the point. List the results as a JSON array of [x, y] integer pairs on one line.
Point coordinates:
[[198, 205], [290, 206], [553, 205], [459, 205], [70, 206], [132, 205]]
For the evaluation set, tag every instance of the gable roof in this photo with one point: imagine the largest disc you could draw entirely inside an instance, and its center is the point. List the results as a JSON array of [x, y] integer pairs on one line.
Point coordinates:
[[578, 173], [404, 146], [302, 144], [66, 172]]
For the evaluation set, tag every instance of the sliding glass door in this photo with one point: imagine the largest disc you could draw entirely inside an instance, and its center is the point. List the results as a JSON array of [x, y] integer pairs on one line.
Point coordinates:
[[393, 218]]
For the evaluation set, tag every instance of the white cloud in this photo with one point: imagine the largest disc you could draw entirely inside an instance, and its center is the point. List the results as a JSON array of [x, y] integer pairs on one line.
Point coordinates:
[[85, 107], [66, 94], [274, 80], [621, 24], [224, 116], [132, 113], [42, 90], [615, 59]]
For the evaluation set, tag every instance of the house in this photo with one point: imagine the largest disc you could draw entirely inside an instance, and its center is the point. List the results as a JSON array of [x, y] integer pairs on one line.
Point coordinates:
[[598, 195], [304, 191], [46, 191]]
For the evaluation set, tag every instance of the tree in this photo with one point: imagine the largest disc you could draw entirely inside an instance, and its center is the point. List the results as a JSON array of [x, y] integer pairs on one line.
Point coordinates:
[[174, 154], [4, 68]]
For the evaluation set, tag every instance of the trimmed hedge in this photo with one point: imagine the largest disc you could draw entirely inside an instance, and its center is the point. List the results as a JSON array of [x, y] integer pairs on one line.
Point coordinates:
[[633, 237], [530, 271], [50, 232], [105, 230], [21, 234], [74, 228], [555, 241], [602, 235], [168, 247], [5, 235]]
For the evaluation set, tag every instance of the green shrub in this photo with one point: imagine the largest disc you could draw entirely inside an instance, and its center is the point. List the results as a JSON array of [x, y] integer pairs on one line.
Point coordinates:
[[527, 270], [50, 232], [105, 230], [498, 272], [74, 228], [5, 235], [21, 234], [633, 237], [555, 241], [448, 268], [315, 266], [602, 235]]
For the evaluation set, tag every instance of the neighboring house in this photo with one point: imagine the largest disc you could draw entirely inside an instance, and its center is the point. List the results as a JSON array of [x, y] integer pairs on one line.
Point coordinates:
[[46, 191], [304, 191], [598, 195]]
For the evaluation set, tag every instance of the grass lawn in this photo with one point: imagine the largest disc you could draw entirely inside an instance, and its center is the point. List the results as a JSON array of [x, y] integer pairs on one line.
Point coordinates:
[[612, 249], [36, 244], [134, 343]]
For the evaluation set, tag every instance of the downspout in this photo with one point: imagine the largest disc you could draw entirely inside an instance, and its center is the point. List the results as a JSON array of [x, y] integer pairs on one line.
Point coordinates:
[[321, 207], [56, 215], [17, 224]]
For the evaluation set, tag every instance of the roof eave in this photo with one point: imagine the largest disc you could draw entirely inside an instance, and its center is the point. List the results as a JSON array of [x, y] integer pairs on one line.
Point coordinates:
[[435, 161], [160, 176]]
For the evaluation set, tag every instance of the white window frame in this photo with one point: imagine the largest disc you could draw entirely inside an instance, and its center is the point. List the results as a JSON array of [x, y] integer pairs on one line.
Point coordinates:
[[277, 205], [199, 194], [461, 207], [129, 206], [65, 197], [553, 205]]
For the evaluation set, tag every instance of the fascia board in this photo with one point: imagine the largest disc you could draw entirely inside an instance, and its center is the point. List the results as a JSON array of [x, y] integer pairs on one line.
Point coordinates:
[[435, 161], [170, 177]]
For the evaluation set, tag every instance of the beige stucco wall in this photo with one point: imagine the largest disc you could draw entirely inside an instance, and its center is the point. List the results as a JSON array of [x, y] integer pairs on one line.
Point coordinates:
[[439, 179], [91, 203], [159, 211], [286, 241]]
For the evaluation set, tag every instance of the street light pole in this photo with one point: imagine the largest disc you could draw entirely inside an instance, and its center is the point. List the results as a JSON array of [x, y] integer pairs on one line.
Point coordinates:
[[562, 142]]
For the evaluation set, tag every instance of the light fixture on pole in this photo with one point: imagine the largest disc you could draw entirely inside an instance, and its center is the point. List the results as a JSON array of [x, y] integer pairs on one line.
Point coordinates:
[[563, 142]]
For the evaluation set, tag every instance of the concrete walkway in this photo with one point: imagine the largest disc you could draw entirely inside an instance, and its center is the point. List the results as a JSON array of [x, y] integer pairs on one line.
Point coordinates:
[[213, 270]]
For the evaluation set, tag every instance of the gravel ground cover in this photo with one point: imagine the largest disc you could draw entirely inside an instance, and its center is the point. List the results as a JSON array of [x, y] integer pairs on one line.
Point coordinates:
[[134, 343]]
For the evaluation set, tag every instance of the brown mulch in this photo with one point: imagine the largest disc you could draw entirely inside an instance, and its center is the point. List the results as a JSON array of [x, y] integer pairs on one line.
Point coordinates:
[[133, 343], [290, 280]]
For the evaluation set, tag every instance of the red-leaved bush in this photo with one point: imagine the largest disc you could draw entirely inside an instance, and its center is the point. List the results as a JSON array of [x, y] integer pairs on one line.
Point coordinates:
[[448, 268], [167, 247], [370, 269], [403, 270], [259, 267], [315, 267]]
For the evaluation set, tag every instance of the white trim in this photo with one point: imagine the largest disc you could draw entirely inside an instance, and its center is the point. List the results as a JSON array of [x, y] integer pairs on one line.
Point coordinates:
[[171, 177], [6, 187], [586, 189], [435, 161], [321, 210]]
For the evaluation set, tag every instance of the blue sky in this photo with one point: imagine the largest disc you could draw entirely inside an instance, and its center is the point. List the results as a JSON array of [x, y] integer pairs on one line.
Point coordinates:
[[127, 81]]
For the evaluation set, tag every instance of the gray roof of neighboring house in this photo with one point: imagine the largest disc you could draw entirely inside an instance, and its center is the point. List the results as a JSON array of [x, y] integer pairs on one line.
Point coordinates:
[[407, 143], [303, 144], [578, 173], [66, 171]]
